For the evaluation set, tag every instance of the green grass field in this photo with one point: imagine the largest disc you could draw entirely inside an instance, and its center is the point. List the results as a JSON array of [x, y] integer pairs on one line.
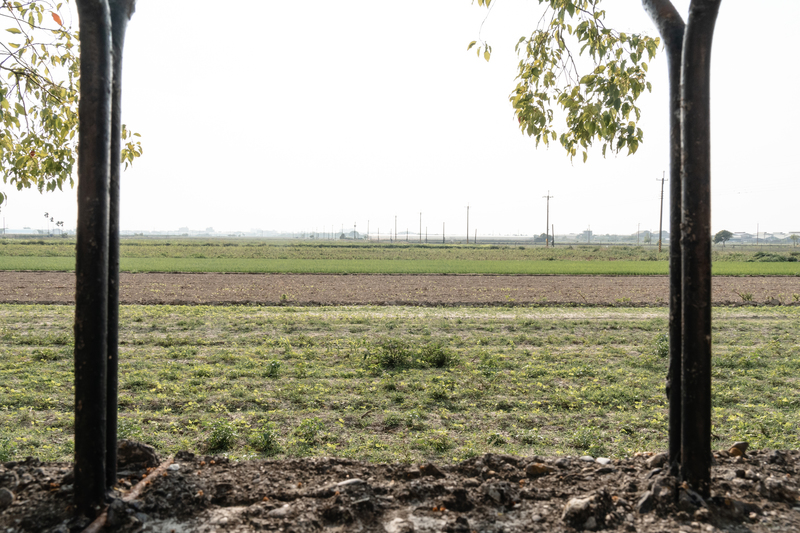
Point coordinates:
[[332, 258], [397, 383]]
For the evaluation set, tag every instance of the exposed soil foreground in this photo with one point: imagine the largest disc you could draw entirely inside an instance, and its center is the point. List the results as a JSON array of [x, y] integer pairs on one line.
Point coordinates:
[[491, 493], [380, 289]]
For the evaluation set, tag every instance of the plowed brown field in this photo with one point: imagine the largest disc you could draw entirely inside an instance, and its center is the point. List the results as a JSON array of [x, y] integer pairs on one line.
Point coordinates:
[[381, 289]]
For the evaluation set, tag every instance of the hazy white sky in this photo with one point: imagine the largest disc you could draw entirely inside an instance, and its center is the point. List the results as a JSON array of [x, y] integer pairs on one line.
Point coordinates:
[[311, 115]]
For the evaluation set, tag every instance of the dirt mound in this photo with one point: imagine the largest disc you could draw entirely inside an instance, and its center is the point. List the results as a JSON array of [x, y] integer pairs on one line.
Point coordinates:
[[491, 493]]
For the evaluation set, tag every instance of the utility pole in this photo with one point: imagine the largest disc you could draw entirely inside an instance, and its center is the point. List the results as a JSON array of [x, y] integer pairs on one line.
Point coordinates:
[[395, 228], [467, 223], [638, 225], [442, 232], [354, 231], [547, 226], [661, 214], [367, 229], [420, 227], [553, 233]]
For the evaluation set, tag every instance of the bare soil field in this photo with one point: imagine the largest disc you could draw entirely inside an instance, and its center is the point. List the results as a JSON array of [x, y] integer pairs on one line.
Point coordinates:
[[381, 289]]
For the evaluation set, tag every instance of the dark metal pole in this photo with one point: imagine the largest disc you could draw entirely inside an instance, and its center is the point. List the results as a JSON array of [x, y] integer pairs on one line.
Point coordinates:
[[696, 240], [671, 27], [91, 264], [121, 11]]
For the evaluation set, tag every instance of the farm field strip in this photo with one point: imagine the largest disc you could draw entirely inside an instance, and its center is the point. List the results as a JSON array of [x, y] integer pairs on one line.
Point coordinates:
[[401, 266], [397, 383], [48, 287]]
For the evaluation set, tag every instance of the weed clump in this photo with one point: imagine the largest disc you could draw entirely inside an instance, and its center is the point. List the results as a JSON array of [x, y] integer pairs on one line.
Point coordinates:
[[439, 441], [308, 432], [395, 354], [7, 450], [272, 369], [222, 437], [265, 440], [437, 355], [661, 345]]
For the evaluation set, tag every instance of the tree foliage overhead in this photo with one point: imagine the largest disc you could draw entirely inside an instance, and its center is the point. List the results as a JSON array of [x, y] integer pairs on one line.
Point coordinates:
[[39, 83], [599, 103]]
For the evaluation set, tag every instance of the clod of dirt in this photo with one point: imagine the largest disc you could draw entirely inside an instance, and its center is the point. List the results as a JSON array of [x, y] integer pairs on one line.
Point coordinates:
[[588, 512], [136, 455], [538, 469], [6, 498]]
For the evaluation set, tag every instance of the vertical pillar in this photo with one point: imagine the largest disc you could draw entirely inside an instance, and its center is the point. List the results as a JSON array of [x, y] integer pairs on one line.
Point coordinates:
[[91, 265], [696, 245], [121, 11]]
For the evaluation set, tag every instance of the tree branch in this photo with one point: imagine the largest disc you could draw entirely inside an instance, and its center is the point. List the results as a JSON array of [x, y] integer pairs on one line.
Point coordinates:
[[667, 20]]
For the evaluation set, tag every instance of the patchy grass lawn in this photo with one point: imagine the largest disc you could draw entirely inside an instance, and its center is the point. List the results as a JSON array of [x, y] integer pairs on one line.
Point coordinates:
[[396, 383]]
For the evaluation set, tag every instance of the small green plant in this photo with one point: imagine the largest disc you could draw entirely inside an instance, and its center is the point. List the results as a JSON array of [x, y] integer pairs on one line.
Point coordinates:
[[272, 369], [415, 420], [265, 440], [746, 296], [47, 354], [438, 392], [529, 437], [588, 441], [661, 345], [204, 371], [496, 439], [389, 384], [504, 405], [222, 437], [439, 441], [389, 354], [170, 374], [308, 432], [489, 363], [392, 420], [300, 370], [7, 450], [436, 354]]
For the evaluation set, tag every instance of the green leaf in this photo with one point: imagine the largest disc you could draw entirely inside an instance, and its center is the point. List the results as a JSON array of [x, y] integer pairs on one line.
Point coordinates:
[[473, 43], [13, 30], [487, 55]]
